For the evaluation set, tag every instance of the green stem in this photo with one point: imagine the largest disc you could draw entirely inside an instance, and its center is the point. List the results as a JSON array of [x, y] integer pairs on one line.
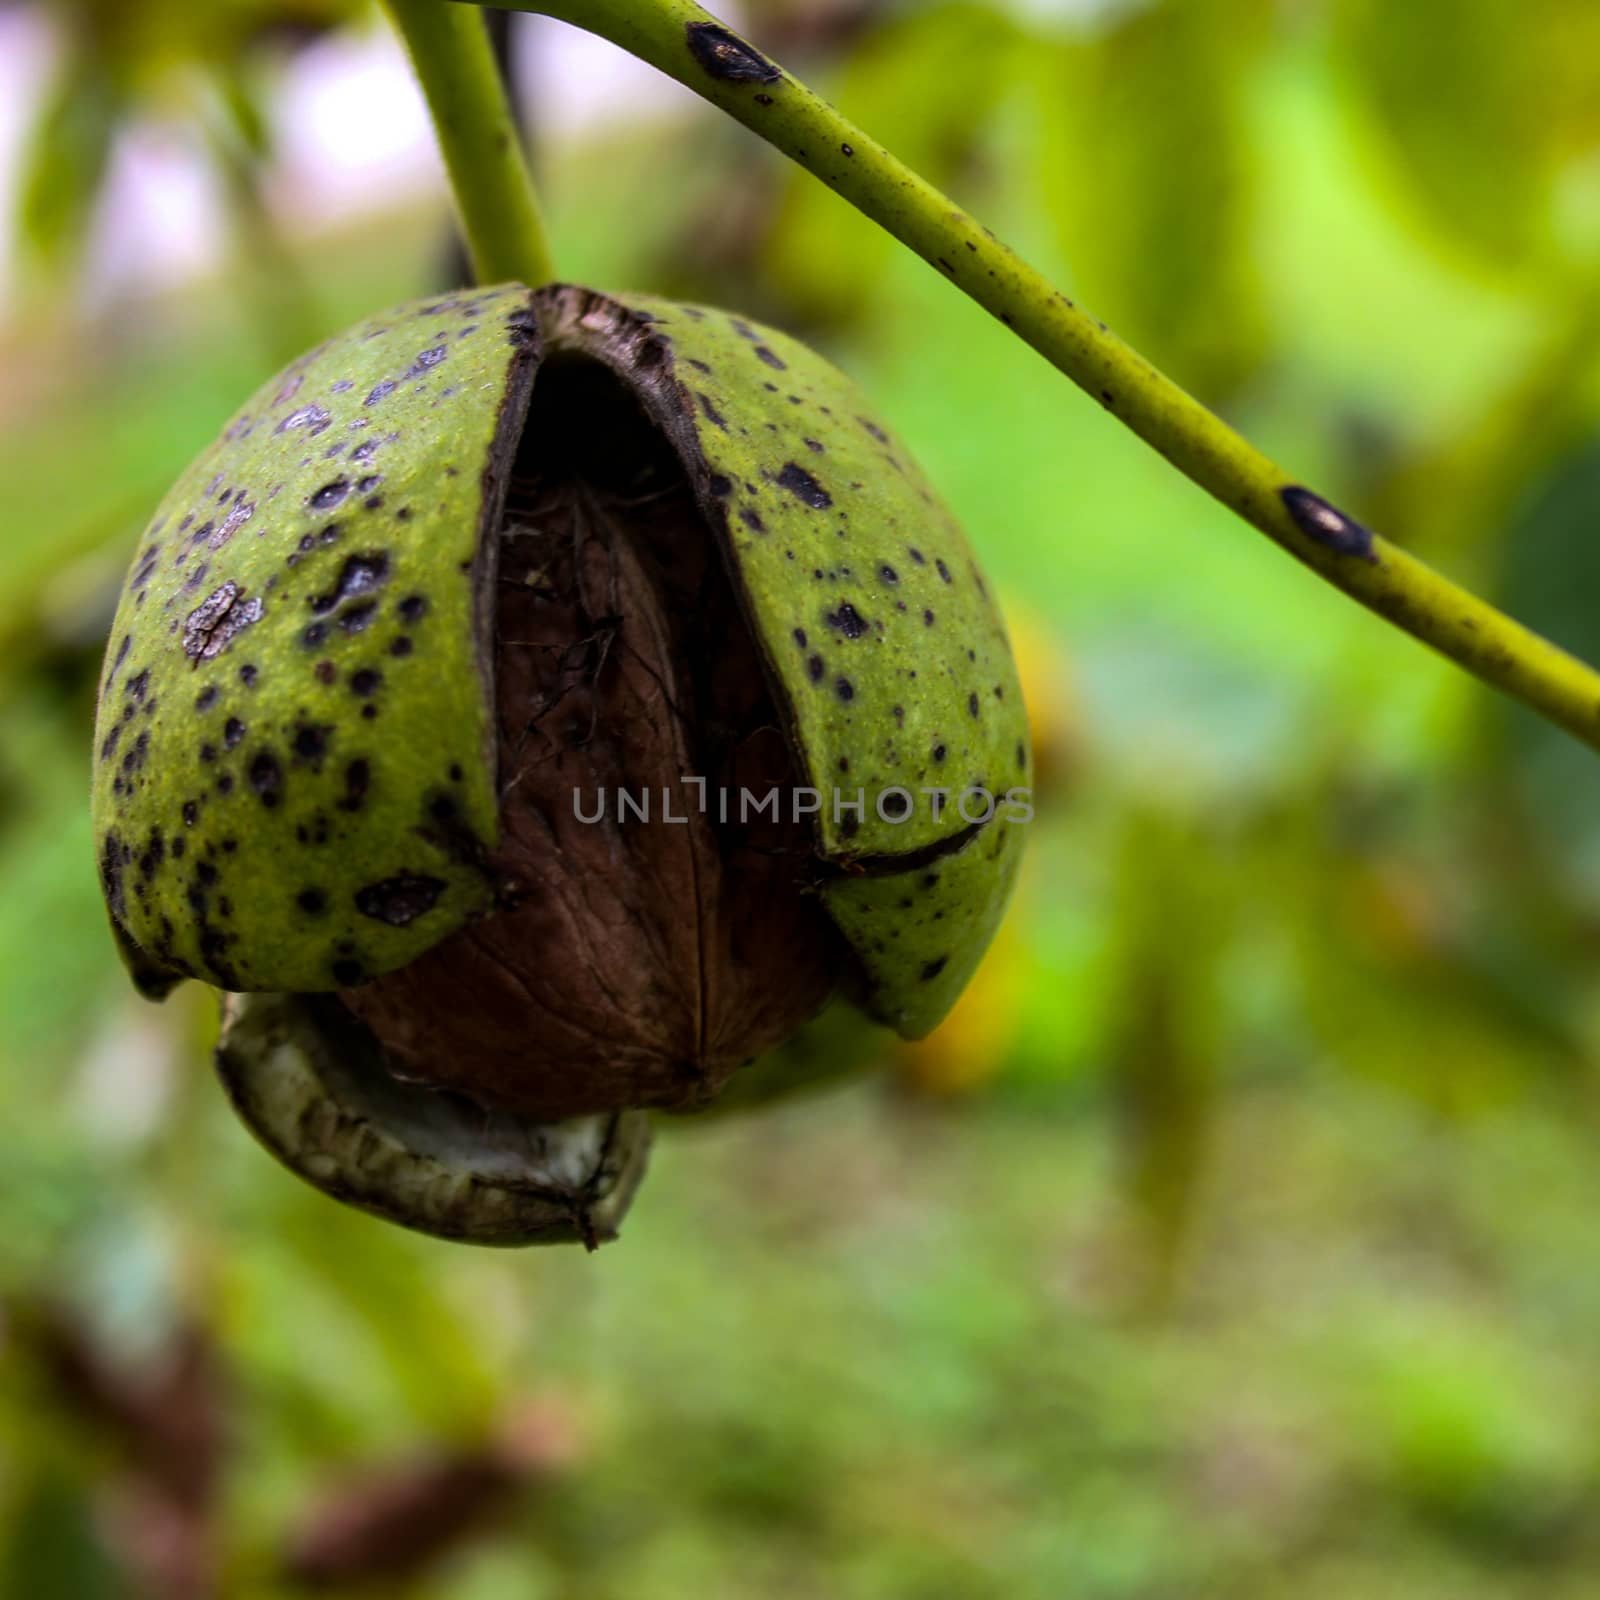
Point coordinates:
[[688, 44], [453, 60]]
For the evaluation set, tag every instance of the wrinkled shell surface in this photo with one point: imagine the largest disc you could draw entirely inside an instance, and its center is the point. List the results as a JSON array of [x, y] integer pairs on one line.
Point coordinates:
[[639, 962]]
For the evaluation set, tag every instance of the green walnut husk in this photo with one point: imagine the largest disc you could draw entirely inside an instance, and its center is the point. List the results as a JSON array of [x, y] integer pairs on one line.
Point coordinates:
[[306, 784]]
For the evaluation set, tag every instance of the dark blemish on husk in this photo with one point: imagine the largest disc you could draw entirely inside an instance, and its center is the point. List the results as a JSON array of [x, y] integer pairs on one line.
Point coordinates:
[[815, 667], [814, 445], [933, 969], [414, 607], [379, 390], [938, 752], [708, 406], [233, 730], [357, 618], [1327, 525], [927, 618], [944, 571], [313, 636], [972, 704], [248, 675], [357, 780], [726, 57], [133, 760], [365, 682], [804, 487], [800, 637], [266, 778], [847, 620], [767, 354], [113, 858], [400, 900], [847, 149], [720, 486], [311, 741], [218, 618], [314, 419], [242, 512], [844, 688], [751, 518], [873, 428], [888, 574], [401, 646], [447, 829], [425, 362], [330, 495], [312, 901], [360, 574]]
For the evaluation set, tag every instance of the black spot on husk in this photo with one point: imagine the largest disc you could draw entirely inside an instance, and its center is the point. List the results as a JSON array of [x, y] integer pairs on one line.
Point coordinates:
[[804, 487], [400, 900]]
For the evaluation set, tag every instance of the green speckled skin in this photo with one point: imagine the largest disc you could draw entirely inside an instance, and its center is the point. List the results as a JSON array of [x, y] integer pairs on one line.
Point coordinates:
[[921, 933], [294, 781], [885, 643]]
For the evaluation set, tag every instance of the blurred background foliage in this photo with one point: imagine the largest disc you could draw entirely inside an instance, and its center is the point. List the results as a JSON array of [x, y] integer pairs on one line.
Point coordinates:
[[1237, 1236]]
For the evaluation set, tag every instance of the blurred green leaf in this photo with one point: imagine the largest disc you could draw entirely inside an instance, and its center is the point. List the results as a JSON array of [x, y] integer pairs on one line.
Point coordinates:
[[1482, 109], [1551, 581], [1146, 174], [66, 158], [52, 1551], [1164, 1025], [924, 82]]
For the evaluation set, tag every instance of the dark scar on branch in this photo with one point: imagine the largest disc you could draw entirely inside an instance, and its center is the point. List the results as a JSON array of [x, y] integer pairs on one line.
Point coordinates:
[[726, 56], [1326, 525]]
